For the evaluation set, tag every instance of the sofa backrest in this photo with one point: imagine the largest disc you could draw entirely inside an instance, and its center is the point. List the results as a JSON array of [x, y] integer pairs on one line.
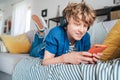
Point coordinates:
[[30, 34], [99, 31]]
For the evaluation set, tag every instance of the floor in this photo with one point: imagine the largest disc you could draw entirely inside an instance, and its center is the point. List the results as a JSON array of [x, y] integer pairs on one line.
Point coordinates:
[[4, 76]]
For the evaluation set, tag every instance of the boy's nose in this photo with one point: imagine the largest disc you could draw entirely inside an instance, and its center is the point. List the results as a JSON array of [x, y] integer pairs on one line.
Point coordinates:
[[81, 29]]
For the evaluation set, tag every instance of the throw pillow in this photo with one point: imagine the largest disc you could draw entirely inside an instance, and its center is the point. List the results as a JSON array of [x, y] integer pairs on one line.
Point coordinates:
[[3, 49], [113, 43], [16, 44]]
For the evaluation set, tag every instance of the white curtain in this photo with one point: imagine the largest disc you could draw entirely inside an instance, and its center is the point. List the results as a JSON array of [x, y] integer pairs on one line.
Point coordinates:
[[19, 18]]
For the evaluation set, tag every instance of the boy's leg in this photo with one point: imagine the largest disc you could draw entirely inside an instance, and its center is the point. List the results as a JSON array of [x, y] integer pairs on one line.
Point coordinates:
[[36, 46], [39, 22], [38, 39]]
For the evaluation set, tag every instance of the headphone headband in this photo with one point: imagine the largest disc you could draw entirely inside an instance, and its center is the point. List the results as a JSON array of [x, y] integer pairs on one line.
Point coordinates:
[[63, 20]]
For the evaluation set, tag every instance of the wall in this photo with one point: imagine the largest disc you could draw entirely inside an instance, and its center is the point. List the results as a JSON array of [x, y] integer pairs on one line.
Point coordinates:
[[1, 21], [52, 6], [7, 11]]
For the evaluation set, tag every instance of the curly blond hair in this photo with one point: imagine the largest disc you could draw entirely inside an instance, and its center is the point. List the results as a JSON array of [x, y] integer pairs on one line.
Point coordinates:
[[75, 9]]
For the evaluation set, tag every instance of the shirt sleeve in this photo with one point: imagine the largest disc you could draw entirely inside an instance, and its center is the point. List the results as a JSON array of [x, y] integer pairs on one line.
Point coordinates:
[[87, 43], [51, 42]]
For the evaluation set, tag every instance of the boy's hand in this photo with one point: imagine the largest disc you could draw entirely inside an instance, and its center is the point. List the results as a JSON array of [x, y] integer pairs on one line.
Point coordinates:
[[97, 56], [78, 57]]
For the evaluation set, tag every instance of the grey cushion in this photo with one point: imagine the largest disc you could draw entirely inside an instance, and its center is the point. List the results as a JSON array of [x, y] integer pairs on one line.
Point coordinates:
[[30, 34]]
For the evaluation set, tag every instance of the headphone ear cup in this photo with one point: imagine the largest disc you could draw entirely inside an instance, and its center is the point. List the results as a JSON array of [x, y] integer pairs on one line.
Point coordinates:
[[88, 28], [63, 22]]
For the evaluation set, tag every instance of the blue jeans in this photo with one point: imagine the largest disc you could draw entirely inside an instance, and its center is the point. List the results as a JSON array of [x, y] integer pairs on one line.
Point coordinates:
[[38, 46]]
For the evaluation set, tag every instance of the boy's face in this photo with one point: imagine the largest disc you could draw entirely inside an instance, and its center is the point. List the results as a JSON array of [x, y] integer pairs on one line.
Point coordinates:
[[76, 30]]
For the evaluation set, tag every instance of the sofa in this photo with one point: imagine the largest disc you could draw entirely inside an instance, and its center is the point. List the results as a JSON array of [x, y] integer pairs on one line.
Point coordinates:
[[25, 67], [9, 60]]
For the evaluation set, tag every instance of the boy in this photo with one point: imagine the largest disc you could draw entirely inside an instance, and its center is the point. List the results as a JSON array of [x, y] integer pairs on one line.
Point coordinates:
[[69, 43]]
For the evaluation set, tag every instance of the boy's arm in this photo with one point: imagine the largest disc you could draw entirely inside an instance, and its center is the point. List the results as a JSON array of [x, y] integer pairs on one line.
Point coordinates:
[[50, 58], [73, 58]]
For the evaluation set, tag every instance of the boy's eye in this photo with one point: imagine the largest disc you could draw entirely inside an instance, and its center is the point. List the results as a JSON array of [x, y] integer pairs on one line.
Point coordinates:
[[77, 24], [85, 26]]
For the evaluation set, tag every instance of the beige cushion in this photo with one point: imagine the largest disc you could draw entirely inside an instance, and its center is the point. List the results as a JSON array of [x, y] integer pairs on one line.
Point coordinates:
[[16, 44], [113, 43], [3, 47]]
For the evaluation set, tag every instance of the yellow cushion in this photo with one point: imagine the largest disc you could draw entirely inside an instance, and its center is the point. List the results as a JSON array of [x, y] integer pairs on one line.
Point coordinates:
[[16, 44], [113, 43]]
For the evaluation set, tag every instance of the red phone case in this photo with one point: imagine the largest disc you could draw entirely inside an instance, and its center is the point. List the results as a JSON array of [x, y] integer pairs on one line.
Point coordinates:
[[97, 48]]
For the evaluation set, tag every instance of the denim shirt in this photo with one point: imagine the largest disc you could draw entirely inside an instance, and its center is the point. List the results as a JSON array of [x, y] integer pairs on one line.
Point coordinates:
[[57, 42]]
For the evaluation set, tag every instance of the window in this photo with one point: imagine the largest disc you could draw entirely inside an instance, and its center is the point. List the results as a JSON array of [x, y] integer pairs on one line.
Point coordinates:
[[21, 18], [28, 19]]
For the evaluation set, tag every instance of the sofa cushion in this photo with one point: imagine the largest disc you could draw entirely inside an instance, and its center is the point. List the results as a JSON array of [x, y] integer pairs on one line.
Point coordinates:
[[113, 43], [99, 31], [95, 31], [2, 47], [16, 44], [30, 35], [8, 61]]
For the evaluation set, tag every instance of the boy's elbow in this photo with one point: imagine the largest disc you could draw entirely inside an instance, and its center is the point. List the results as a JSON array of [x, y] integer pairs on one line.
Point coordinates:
[[44, 62]]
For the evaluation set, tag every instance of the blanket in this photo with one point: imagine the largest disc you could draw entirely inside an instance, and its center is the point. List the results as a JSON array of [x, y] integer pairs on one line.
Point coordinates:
[[32, 69]]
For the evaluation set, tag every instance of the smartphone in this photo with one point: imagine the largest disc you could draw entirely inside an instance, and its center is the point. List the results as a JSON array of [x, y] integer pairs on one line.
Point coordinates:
[[97, 48]]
